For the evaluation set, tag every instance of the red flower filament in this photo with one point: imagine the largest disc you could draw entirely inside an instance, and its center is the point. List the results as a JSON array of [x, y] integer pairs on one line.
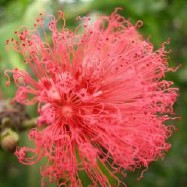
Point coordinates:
[[102, 98]]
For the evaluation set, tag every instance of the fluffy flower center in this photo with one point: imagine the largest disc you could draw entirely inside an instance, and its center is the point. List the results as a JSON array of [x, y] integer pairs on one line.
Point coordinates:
[[67, 111]]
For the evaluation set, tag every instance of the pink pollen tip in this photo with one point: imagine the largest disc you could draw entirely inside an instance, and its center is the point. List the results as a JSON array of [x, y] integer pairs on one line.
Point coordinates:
[[7, 83]]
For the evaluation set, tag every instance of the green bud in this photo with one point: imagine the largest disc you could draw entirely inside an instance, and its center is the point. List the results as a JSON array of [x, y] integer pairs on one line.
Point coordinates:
[[9, 140]]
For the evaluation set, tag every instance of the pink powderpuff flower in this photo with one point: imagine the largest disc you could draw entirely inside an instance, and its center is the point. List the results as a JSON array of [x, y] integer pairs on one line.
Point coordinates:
[[102, 98]]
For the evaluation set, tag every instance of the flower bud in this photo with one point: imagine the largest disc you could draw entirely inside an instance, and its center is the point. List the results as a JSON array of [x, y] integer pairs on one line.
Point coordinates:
[[9, 140]]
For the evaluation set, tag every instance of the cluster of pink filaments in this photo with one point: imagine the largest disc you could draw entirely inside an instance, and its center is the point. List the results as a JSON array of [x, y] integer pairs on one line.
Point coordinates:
[[101, 97]]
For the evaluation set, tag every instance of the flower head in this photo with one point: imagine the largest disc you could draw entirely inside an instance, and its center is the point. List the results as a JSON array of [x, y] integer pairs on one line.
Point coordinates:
[[102, 98]]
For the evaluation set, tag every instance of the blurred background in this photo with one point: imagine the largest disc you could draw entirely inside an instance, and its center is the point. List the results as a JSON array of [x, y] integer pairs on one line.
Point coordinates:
[[162, 19]]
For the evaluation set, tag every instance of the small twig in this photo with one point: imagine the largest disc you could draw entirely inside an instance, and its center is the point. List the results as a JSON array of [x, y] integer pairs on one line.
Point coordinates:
[[29, 123]]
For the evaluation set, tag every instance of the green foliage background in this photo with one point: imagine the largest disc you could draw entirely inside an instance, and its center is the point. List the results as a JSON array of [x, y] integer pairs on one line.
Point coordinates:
[[162, 19]]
